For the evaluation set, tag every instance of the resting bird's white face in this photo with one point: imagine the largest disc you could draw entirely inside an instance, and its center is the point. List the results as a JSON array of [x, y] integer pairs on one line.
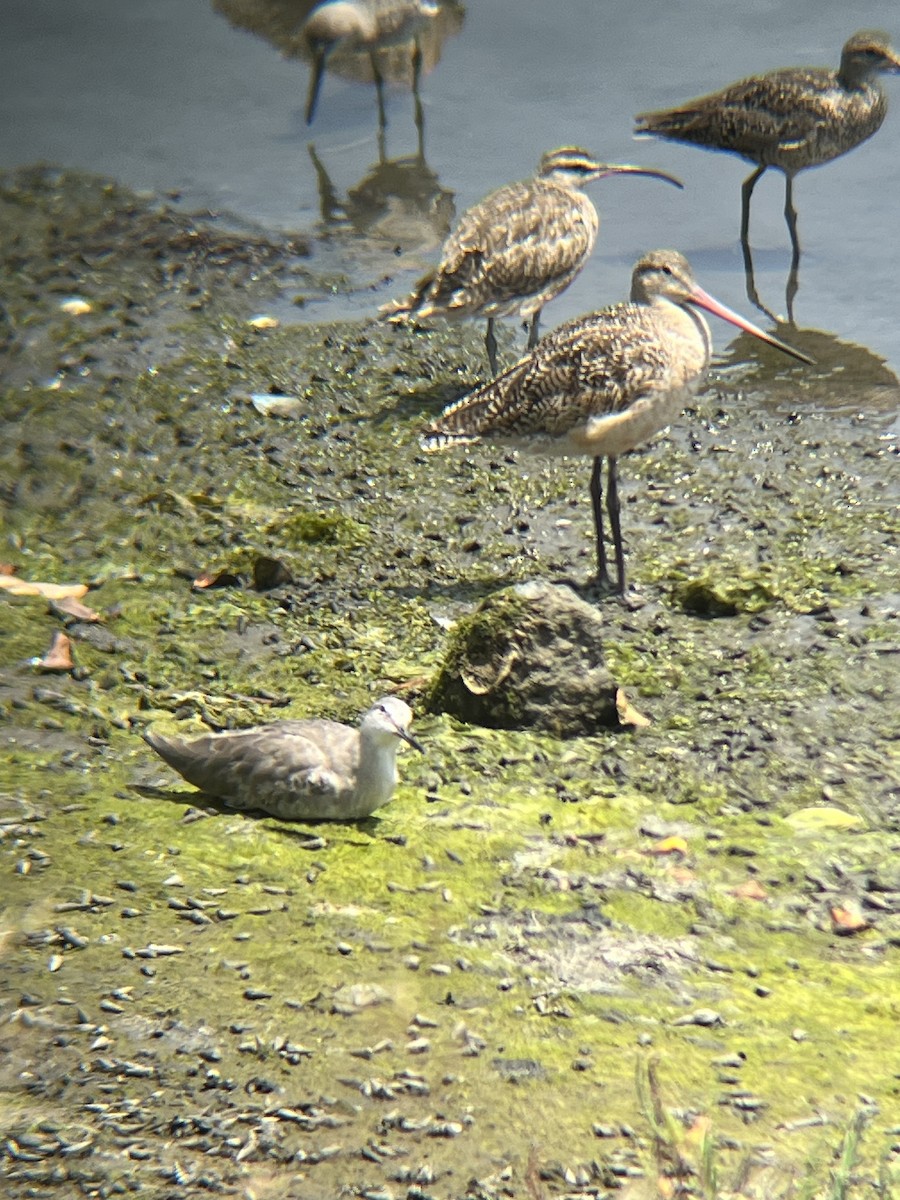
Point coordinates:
[[390, 718]]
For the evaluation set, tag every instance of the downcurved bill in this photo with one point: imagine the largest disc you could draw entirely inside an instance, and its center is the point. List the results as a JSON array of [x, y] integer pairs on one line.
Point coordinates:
[[704, 300], [627, 169]]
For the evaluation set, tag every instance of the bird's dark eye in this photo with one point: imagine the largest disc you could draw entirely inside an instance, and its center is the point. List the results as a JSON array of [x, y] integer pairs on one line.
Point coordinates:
[[667, 270]]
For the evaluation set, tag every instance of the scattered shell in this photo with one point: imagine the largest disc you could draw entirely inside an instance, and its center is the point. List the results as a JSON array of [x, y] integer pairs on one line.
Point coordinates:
[[75, 306], [263, 321], [354, 996], [701, 1016], [276, 406]]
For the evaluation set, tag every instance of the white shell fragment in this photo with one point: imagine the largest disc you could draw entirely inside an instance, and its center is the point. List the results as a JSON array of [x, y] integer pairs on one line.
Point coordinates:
[[75, 306], [274, 405]]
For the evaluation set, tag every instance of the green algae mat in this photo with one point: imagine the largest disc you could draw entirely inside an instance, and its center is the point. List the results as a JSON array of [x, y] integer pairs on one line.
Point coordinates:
[[662, 960]]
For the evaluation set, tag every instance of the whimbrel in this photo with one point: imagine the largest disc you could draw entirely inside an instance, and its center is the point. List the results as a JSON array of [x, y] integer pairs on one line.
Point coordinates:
[[791, 119], [518, 248], [298, 770], [369, 25], [603, 383]]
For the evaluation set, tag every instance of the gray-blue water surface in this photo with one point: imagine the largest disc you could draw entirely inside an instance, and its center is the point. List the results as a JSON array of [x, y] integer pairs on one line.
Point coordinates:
[[181, 95]]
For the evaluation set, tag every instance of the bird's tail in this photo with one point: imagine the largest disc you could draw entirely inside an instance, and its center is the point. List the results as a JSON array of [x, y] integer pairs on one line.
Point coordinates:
[[484, 409], [439, 439], [677, 123]]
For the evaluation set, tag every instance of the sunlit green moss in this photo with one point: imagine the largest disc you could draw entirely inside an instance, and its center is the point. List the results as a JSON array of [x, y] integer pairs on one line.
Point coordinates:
[[510, 861]]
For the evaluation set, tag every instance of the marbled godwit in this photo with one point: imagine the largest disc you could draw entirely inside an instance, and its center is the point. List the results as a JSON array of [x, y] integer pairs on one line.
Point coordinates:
[[298, 770], [791, 119], [518, 248], [370, 25], [603, 383]]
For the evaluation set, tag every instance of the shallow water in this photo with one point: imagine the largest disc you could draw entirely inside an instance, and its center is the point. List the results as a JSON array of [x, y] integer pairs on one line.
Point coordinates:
[[172, 96]]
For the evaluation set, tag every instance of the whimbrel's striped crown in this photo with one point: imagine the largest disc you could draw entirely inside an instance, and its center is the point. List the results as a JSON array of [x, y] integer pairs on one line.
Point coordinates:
[[571, 163], [573, 167]]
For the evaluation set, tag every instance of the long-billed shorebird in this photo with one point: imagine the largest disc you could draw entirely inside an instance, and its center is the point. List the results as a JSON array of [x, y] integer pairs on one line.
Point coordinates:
[[603, 383], [367, 25], [518, 248], [790, 119], [315, 770]]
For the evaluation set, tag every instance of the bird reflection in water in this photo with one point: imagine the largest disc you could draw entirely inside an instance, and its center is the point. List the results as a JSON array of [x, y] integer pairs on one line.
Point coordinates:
[[790, 119], [844, 378], [399, 200]]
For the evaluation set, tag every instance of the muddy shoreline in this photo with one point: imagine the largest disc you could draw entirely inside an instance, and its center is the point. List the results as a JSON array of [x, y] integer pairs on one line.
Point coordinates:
[[451, 998]]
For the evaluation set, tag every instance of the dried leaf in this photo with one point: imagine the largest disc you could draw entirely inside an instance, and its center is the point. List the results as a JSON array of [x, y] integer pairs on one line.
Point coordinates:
[[70, 607], [700, 1130], [59, 656], [849, 919], [670, 845], [821, 817], [628, 714], [53, 591], [215, 579], [683, 875], [750, 889]]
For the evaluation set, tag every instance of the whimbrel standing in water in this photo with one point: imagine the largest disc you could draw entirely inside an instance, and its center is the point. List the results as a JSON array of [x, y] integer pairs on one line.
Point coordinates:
[[370, 25], [298, 770], [518, 248], [603, 383], [790, 119]]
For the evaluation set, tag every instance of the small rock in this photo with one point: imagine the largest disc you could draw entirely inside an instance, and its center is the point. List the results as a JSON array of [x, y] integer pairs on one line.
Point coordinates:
[[530, 657]]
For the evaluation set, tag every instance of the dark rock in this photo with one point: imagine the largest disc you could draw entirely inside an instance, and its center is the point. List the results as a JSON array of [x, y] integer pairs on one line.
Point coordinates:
[[530, 657]]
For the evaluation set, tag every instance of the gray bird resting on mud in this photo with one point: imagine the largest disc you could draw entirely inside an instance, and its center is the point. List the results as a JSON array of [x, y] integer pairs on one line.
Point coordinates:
[[518, 248], [314, 770]]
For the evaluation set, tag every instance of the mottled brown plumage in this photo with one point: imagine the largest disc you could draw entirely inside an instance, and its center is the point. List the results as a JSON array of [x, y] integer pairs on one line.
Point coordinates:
[[791, 119], [603, 383], [518, 248], [298, 770]]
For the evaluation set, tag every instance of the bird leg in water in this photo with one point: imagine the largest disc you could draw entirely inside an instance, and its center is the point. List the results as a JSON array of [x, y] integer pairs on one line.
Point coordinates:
[[418, 110], [750, 281], [534, 330], [746, 192], [379, 92], [790, 215], [490, 343]]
